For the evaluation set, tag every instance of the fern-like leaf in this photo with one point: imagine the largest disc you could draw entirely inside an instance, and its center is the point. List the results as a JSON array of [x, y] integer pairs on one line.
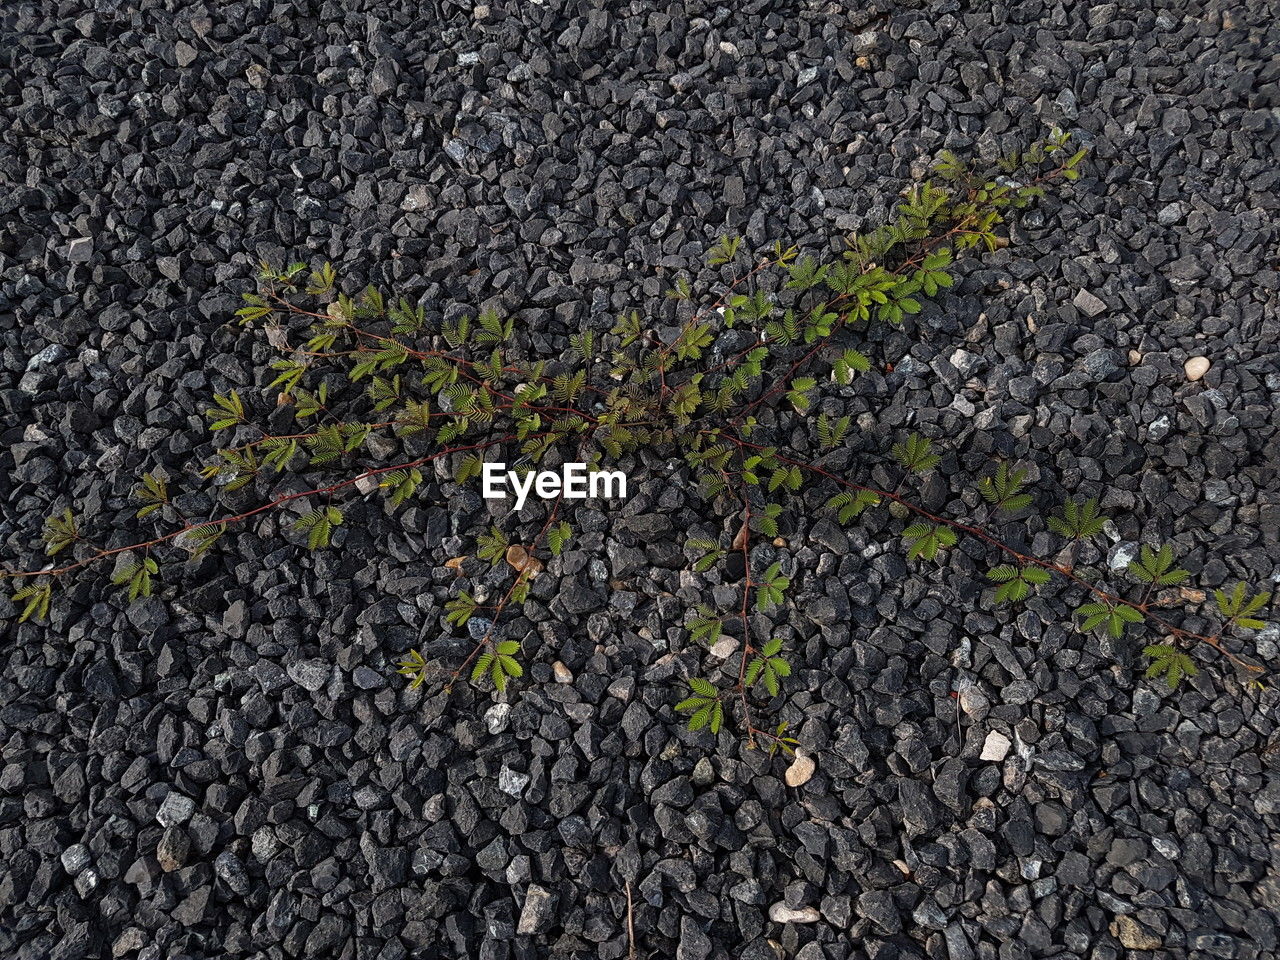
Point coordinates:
[[915, 455], [1078, 520], [1156, 567], [1003, 489], [1239, 606], [1170, 663]]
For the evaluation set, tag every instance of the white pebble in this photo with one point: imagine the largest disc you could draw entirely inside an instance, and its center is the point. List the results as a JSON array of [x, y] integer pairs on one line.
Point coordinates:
[[801, 770], [781, 913], [997, 746], [1196, 368]]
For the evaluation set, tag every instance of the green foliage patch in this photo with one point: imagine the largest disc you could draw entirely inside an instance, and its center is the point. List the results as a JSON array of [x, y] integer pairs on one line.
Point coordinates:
[[379, 390]]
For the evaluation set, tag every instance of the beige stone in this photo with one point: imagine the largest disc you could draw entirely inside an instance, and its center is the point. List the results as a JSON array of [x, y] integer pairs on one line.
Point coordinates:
[[1197, 367], [1132, 935], [801, 769], [781, 913], [996, 746]]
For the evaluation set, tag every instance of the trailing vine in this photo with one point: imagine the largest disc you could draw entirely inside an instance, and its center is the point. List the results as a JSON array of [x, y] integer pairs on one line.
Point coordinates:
[[364, 374]]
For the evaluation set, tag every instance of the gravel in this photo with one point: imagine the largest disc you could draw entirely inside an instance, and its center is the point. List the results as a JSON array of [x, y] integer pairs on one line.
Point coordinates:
[[233, 769]]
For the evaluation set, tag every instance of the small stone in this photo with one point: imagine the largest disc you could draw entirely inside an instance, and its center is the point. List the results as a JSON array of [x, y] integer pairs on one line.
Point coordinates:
[[801, 770], [1132, 935], [1088, 304], [537, 912], [309, 674], [175, 809], [1196, 368], [974, 702], [184, 53], [75, 858], [497, 717], [781, 913], [723, 648], [171, 853], [49, 356], [996, 747], [479, 628], [80, 250], [512, 782], [562, 673], [131, 941], [87, 882], [1122, 554], [231, 872], [704, 774]]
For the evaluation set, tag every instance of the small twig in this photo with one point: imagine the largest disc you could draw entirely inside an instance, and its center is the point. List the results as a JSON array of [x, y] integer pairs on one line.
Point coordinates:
[[631, 926]]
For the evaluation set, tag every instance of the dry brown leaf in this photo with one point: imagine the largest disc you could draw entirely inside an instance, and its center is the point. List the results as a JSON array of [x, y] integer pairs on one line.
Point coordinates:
[[523, 561]]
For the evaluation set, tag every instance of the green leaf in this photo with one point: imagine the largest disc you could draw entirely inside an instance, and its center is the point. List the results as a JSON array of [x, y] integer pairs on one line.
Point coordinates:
[[702, 687], [711, 553], [557, 536], [227, 411], [1016, 583], [415, 667], [34, 598], [725, 250], [924, 540], [780, 741], [153, 492], [1170, 663], [768, 668], [1156, 567], [60, 532], [1003, 489], [460, 609], [1114, 617], [798, 395], [831, 433], [771, 587], [200, 539], [402, 484], [1078, 520], [704, 625], [492, 546], [805, 273], [322, 280], [849, 364], [318, 525], [704, 706], [1238, 606], [850, 504], [136, 575], [767, 521], [915, 454]]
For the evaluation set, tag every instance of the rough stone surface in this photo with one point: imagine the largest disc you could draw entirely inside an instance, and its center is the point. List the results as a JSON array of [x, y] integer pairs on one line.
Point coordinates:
[[563, 163]]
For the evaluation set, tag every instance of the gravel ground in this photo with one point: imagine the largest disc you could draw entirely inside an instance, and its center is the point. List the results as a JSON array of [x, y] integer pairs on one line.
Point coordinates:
[[231, 769]]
